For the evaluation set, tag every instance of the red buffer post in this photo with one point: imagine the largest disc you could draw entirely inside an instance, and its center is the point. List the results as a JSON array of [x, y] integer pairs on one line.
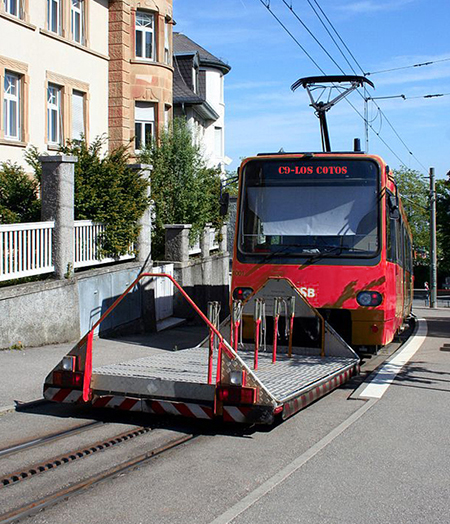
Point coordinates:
[[276, 315], [291, 310]]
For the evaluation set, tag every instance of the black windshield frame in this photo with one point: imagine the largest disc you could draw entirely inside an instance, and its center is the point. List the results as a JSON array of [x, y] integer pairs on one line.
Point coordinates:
[[273, 172]]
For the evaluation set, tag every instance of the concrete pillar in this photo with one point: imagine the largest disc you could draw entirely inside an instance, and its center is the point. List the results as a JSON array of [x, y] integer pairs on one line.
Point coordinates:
[[177, 242], [144, 244], [57, 196], [205, 241], [223, 244]]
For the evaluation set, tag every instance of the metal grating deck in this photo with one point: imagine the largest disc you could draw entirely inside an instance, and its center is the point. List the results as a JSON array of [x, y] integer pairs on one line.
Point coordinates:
[[283, 380], [186, 365], [288, 376]]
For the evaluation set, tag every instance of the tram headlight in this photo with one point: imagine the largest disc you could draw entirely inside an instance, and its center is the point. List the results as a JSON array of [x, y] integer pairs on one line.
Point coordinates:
[[369, 298], [242, 293]]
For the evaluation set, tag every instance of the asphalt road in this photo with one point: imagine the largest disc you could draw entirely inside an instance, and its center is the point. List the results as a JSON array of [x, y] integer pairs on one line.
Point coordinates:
[[342, 460]]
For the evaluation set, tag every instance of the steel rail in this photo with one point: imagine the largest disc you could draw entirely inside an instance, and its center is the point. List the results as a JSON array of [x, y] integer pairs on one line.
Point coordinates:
[[51, 437], [66, 458], [83, 485]]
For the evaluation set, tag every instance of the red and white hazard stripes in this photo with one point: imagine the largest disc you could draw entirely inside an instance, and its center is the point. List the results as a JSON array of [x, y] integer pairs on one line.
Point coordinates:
[[235, 414], [66, 395], [157, 407], [310, 396]]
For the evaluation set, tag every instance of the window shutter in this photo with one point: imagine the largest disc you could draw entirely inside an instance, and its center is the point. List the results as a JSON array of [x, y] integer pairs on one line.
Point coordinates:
[[77, 115], [144, 112]]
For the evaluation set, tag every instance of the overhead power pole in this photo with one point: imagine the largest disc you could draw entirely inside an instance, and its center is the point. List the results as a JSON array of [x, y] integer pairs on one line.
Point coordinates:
[[433, 248]]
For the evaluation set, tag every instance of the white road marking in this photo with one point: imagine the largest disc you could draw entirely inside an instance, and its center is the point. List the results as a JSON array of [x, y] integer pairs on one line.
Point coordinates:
[[384, 377], [291, 468]]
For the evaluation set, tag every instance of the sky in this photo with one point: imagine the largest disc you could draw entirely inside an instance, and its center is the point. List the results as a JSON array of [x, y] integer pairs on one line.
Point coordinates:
[[264, 115]]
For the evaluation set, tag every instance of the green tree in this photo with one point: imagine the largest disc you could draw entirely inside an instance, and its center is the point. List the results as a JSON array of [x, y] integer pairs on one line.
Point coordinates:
[[107, 190], [19, 200], [443, 225], [184, 189], [414, 191]]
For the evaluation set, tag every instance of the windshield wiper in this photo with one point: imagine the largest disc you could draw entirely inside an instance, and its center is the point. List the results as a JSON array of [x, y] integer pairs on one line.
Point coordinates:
[[282, 250], [322, 254]]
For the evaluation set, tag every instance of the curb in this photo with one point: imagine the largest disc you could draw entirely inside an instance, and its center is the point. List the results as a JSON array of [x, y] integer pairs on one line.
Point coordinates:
[[20, 405]]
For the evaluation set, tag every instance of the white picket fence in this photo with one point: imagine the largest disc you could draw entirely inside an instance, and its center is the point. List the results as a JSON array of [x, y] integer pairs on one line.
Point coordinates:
[[86, 245], [26, 249]]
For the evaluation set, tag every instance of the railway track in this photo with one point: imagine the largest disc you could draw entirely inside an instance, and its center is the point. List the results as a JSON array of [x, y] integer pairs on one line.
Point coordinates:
[[35, 506], [51, 437], [55, 462]]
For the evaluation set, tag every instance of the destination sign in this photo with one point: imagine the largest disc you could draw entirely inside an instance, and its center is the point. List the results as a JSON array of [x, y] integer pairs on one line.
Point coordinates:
[[309, 170]]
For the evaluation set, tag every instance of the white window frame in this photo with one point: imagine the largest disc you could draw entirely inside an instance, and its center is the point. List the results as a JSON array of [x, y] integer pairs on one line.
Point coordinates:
[[218, 147], [9, 99], [145, 32], [167, 57], [13, 7], [142, 125], [54, 132], [195, 80], [77, 12], [54, 21], [167, 117], [80, 95]]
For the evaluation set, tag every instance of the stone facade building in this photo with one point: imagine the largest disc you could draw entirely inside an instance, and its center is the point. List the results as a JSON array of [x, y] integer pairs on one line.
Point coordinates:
[[72, 68], [140, 69]]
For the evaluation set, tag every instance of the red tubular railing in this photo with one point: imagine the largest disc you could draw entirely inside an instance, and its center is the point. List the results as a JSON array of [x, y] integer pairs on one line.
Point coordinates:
[[275, 338], [213, 331]]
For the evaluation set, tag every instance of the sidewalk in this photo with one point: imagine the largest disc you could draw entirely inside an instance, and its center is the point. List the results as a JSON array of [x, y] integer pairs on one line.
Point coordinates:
[[22, 372], [391, 464]]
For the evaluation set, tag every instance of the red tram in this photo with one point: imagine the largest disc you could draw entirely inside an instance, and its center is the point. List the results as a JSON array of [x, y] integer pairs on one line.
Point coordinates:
[[333, 224]]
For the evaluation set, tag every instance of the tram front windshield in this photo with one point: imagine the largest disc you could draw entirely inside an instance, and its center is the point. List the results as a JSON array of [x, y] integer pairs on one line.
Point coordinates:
[[310, 207]]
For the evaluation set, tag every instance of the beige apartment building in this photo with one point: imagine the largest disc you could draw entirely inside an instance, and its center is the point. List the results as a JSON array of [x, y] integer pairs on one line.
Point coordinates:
[[72, 68]]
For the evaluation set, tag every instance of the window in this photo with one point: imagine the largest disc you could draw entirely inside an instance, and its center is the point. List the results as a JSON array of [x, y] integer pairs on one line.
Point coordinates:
[[195, 79], [145, 35], [78, 127], [77, 21], [144, 119], [13, 7], [166, 117], [54, 115], [11, 107], [218, 139], [54, 16], [166, 43]]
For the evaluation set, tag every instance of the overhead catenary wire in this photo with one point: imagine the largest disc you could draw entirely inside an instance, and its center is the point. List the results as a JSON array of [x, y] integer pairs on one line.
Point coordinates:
[[331, 36], [404, 97], [338, 35], [431, 62], [290, 7], [266, 4], [365, 97]]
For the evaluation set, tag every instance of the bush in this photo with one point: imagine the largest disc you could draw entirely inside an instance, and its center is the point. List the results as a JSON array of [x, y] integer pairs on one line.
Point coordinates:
[[107, 190], [184, 189], [19, 200]]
